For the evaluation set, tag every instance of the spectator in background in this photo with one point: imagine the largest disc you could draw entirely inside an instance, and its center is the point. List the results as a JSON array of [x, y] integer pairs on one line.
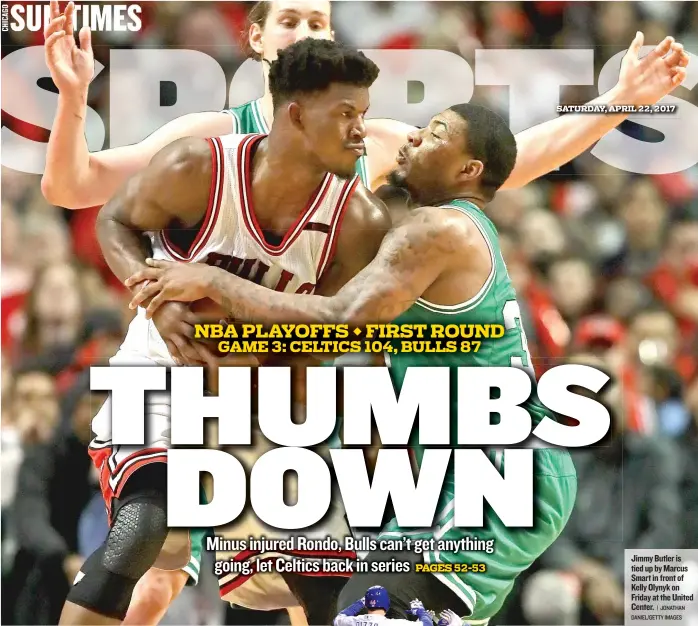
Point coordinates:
[[34, 403], [675, 279], [572, 287], [665, 388], [546, 331], [615, 22], [30, 415], [542, 237], [54, 488], [605, 338], [47, 236], [653, 337], [16, 273], [54, 313], [628, 498], [644, 215], [624, 296]]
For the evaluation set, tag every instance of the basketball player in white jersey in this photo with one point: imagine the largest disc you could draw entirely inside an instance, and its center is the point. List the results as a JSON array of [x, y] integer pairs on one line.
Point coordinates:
[[268, 208]]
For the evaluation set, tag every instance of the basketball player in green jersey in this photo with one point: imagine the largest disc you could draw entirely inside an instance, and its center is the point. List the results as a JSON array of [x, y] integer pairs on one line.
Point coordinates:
[[441, 263], [75, 178]]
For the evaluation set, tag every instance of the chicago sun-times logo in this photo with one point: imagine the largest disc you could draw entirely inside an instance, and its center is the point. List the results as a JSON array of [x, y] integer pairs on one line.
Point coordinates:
[[98, 17]]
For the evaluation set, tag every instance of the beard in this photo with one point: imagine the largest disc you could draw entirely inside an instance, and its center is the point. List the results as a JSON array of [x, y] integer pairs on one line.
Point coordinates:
[[397, 178]]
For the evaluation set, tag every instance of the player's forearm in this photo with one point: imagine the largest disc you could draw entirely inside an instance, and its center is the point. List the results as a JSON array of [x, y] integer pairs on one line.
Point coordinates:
[[246, 301], [356, 303], [545, 147], [67, 157]]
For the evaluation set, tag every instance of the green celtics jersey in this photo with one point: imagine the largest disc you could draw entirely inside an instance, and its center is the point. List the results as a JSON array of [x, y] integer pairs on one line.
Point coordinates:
[[514, 549], [248, 118], [495, 303]]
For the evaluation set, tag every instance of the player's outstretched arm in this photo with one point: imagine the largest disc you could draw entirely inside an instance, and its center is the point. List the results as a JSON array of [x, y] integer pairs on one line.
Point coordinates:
[[547, 146], [73, 177], [411, 257]]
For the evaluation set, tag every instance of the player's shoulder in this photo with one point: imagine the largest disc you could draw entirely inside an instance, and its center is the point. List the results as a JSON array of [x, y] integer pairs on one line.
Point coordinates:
[[368, 210], [188, 155], [441, 221], [442, 230]]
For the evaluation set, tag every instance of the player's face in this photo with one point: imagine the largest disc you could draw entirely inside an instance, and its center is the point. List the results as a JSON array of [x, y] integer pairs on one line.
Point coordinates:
[[290, 21], [432, 159], [333, 123]]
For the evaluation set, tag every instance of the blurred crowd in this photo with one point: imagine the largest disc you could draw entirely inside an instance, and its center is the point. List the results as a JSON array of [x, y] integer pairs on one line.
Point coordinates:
[[605, 264]]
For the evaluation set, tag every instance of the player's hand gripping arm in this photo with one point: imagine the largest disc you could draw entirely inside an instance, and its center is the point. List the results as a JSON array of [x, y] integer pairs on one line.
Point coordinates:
[[547, 146], [411, 257], [175, 186], [73, 177]]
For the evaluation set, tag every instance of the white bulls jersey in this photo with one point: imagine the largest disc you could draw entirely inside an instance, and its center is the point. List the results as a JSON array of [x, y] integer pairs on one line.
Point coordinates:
[[229, 236]]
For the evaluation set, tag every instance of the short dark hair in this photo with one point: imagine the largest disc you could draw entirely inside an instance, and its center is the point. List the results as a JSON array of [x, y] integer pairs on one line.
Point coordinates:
[[313, 65], [489, 141]]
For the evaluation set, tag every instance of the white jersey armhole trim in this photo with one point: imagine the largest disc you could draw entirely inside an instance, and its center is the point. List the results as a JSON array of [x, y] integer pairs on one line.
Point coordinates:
[[326, 254], [453, 309], [212, 213]]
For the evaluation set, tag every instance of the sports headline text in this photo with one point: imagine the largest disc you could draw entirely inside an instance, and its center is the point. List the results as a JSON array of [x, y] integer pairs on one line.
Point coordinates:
[[367, 396]]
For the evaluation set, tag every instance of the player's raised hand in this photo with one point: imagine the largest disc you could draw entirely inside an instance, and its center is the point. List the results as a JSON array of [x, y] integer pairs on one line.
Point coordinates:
[[648, 79], [169, 281], [71, 67]]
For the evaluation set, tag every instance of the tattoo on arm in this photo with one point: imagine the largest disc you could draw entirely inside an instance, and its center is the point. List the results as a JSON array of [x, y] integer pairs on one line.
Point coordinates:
[[411, 257]]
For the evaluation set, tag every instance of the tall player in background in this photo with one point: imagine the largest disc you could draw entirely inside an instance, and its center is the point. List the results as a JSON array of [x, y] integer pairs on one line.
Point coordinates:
[[76, 179], [283, 210], [440, 264]]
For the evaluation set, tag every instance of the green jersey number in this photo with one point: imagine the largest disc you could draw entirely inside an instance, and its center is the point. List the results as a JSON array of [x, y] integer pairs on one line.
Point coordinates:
[[512, 320]]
